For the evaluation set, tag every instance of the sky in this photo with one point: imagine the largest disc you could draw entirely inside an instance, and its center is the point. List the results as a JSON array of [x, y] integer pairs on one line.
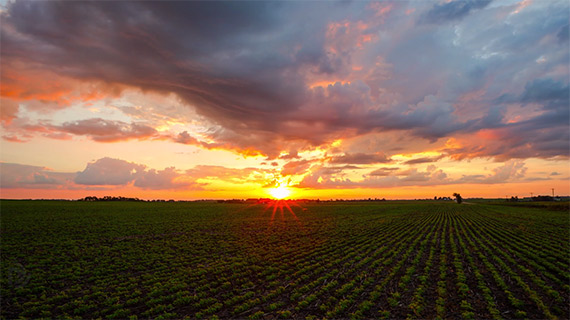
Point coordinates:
[[330, 99]]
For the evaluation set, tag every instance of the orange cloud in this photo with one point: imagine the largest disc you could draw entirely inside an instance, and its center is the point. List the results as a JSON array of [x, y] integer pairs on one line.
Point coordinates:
[[362, 39], [185, 138], [488, 134], [382, 9], [9, 109], [24, 83], [106, 130], [326, 83], [521, 5]]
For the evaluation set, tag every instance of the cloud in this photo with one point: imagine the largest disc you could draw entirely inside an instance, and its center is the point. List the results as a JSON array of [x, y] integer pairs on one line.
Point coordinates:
[[452, 10], [10, 109], [27, 82], [543, 136], [383, 172], [96, 129], [295, 167], [116, 172], [265, 82], [15, 175], [290, 155], [231, 175], [562, 35], [13, 138], [169, 178], [511, 170], [102, 130], [214, 37], [323, 178], [109, 171], [256, 87], [554, 93], [413, 175], [422, 160], [185, 138], [360, 158]]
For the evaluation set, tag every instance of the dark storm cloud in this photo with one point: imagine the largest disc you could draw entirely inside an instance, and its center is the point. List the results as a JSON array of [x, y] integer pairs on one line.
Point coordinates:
[[210, 53], [543, 136], [546, 92], [453, 10], [563, 33], [553, 93], [231, 60], [250, 68]]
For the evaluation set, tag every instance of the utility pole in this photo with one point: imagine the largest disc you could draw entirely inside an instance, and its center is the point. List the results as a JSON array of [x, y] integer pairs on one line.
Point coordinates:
[[531, 195], [553, 192]]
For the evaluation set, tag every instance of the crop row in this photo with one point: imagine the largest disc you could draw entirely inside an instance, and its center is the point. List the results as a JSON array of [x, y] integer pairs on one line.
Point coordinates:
[[401, 260]]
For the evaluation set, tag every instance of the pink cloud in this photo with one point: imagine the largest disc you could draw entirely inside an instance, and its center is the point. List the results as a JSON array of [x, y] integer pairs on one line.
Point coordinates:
[[102, 130], [512, 170], [169, 178], [9, 109], [23, 82], [295, 167], [245, 149], [381, 9], [222, 173], [382, 172], [13, 138], [185, 138], [13, 175], [360, 158], [109, 171]]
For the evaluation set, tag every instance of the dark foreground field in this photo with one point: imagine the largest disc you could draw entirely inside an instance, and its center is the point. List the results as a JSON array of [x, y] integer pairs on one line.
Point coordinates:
[[327, 260]]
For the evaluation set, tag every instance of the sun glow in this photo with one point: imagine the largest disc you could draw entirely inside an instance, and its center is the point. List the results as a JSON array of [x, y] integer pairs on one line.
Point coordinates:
[[280, 192]]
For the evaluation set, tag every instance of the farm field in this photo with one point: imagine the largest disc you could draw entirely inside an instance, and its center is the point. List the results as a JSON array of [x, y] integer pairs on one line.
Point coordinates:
[[405, 259]]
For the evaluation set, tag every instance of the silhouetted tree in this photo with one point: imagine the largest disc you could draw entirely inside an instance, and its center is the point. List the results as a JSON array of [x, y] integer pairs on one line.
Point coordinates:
[[458, 197]]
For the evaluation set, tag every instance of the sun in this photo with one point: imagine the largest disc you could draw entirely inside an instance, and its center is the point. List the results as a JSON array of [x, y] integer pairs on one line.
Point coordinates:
[[280, 192]]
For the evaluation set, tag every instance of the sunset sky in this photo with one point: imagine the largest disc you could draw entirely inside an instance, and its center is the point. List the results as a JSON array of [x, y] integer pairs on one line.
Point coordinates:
[[347, 99]]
